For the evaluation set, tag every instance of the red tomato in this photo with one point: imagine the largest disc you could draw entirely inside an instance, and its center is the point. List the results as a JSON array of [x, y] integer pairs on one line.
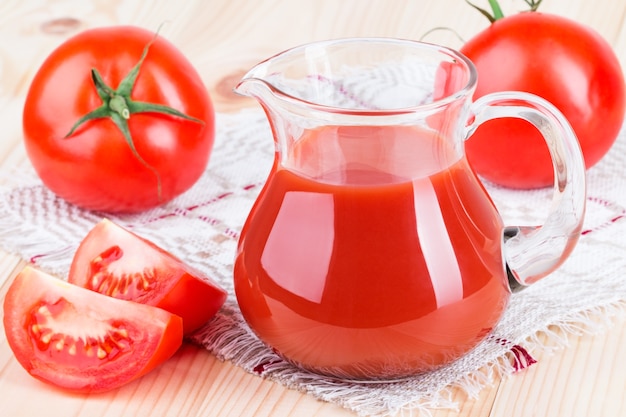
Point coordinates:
[[560, 60], [83, 341], [97, 167], [116, 262]]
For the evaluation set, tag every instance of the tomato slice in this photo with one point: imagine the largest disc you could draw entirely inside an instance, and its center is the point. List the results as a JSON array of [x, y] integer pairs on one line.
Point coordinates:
[[116, 262], [81, 340]]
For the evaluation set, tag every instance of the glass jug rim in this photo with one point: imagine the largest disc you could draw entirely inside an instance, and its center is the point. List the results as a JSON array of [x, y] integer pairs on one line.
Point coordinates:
[[465, 91]]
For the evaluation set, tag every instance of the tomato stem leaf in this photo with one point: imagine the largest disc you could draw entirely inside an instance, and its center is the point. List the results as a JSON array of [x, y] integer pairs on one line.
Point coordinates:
[[104, 91], [533, 4], [495, 8], [127, 84], [143, 107], [122, 125], [99, 113], [497, 11]]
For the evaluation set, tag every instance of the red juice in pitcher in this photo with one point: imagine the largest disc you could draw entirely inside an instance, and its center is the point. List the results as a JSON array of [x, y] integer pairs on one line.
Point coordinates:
[[372, 252]]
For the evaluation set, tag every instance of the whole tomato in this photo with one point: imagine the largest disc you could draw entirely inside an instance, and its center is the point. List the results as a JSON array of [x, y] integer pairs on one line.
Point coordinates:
[[564, 62], [117, 119]]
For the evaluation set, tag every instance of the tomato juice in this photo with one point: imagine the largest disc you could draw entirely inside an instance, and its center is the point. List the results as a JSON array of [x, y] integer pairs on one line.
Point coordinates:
[[372, 252]]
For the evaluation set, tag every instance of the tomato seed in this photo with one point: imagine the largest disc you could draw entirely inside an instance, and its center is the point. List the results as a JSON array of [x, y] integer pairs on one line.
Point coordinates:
[[46, 337], [122, 332], [44, 311], [95, 282], [123, 285], [143, 281], [101, 353], [60, 344]]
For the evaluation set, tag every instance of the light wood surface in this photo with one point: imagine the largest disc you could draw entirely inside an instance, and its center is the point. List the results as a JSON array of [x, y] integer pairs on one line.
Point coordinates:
[[224, 38]]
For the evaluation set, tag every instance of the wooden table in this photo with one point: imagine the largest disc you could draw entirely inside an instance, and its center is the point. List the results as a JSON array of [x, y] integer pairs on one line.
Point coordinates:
[[223, 38]]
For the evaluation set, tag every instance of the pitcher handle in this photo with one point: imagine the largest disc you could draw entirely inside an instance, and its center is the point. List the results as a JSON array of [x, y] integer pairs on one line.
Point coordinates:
[[532, 252]]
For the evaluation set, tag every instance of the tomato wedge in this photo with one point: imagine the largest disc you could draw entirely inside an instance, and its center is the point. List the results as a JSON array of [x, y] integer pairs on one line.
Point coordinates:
[[116, 262], [83, 341]]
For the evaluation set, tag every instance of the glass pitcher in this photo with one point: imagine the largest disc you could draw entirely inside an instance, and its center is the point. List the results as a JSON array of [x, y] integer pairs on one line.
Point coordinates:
[[373, 250]]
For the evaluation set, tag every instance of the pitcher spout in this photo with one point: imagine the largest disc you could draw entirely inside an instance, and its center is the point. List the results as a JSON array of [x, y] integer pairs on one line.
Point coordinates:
[[262, 82], [254, 87]]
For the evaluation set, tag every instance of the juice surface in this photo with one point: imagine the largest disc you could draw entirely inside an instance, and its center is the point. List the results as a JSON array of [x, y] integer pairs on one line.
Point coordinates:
[[359, 265]]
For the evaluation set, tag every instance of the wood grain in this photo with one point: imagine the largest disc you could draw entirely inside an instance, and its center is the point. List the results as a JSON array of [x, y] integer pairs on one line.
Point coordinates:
[[224, 38]]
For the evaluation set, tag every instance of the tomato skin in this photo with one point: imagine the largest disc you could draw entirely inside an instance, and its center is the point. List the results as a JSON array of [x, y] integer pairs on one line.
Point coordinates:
[[95, 168], [564, 62], [173, 285], [151, 337]]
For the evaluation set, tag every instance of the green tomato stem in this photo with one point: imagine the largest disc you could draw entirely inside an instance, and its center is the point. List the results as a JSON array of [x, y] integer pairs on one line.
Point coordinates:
[[119, 106], [533, 4], [497, 11], [482, 11]]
